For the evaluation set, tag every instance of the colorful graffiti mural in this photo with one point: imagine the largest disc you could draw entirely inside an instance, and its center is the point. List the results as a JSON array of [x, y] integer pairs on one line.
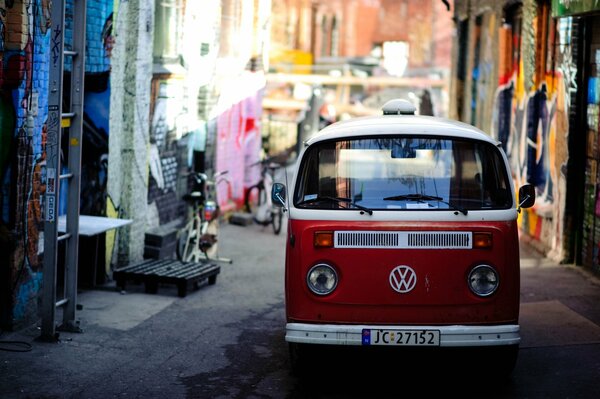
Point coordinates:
[[23, 113], [24, 53], [531, 116]]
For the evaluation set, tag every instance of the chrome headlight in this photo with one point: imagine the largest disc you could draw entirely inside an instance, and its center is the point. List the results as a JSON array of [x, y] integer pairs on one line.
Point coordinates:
[[483, 280], [322, 279]]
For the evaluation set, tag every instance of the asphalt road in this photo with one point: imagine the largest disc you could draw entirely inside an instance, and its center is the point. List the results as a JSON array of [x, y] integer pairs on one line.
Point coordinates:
[[227, 341]]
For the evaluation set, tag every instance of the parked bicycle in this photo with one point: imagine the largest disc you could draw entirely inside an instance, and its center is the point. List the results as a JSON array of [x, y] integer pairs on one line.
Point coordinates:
[[198, 239], [257, 200]]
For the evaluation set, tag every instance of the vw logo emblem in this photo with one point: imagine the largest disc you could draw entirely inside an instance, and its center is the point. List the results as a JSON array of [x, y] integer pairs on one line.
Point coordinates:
[[403, 279]]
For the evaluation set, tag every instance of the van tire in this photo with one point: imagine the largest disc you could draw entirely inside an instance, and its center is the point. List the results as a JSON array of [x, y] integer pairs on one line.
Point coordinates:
[[508, 359], [504, 360], [298, 359]]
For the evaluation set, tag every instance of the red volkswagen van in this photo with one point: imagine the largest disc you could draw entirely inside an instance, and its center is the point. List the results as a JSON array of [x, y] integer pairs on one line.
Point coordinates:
[[402, 232]]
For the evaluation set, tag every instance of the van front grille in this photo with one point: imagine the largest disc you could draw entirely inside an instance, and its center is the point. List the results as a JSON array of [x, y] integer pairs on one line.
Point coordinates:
[[403, 239]]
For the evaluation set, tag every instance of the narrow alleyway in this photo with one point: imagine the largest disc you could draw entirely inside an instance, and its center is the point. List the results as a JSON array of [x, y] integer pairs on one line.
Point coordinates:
[[227, 341]]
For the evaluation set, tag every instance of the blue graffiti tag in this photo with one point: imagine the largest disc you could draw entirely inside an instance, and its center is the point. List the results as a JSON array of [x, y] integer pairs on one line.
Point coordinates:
[[24, 293], [56, 44]]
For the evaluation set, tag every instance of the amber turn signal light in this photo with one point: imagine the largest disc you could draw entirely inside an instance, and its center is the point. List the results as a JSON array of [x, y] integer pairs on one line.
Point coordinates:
[[482, 240], [323, 239]]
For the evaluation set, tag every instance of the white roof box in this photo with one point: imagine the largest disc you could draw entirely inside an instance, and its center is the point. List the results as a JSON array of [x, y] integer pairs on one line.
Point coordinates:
[[398, 107]]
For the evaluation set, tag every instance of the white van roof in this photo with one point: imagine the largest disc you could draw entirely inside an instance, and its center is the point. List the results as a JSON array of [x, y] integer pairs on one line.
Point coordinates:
[[401, 122]]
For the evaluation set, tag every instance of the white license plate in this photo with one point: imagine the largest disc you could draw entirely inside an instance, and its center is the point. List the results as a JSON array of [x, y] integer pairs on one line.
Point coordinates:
[[401, 337]]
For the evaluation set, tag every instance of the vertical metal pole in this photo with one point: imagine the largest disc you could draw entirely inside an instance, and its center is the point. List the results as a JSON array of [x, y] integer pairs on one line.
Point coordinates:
[[74, 162], [55, 88]]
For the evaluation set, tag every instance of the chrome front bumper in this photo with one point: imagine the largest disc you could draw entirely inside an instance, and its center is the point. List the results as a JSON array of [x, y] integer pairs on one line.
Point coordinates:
[[450, 336]]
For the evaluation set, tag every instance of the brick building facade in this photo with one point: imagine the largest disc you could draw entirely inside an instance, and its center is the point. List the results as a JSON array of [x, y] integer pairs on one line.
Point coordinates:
[[353, 28]]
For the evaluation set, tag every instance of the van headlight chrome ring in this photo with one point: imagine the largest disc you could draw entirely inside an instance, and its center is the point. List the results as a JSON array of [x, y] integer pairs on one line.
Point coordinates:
[[322, 279], [483, 280]]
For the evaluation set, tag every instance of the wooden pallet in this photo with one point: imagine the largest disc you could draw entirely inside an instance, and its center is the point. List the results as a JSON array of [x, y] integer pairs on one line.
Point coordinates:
[[152, 272]]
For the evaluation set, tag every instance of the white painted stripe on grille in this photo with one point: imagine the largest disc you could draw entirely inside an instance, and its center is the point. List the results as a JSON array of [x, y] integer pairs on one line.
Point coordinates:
[[403, 239]]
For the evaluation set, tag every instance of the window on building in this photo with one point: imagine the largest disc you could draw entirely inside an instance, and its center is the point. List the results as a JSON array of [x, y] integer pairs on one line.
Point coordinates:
[[546, 28], [335, 38], [476, 73], [324, 36], [461, 66], [395, 57], [168, 20]]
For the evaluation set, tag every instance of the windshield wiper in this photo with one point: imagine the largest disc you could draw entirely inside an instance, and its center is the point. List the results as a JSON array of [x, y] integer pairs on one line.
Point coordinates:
[[424, 198], [413, 197], [337, 200]]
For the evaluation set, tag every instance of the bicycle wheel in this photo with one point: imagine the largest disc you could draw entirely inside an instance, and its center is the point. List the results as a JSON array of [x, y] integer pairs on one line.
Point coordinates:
[[212, 231], [185, 245], [255, 204], [276, 219], [252, 198]]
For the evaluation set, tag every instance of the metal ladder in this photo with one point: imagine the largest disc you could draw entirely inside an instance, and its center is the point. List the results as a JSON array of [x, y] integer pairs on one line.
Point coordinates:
[[57, 120]]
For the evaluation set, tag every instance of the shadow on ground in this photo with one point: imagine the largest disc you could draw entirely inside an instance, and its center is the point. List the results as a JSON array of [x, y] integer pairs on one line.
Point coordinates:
[[359, 373]]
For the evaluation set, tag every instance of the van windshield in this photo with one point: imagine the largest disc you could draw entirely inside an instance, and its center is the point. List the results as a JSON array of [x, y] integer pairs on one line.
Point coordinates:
[[403, 173]]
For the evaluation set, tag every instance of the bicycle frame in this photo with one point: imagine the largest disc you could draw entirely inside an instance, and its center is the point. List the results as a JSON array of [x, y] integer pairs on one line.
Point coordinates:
[[265, 212], [200, 234], [267, 207], [195, 228]]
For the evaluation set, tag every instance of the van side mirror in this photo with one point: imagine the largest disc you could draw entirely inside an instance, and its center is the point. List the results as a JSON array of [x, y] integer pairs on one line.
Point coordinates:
[[278, 195], [526, 196]]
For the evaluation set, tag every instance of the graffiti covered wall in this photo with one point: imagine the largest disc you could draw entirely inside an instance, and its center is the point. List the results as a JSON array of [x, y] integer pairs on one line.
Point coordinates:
[[167, 153], [24, 52], [238, 139], [181, 94], [99, 44], [205, 110], [24, 49], [531, 115], [514, 75], [590, 248]]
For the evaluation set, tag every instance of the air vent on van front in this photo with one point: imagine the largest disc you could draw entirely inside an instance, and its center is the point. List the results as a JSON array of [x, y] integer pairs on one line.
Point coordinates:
[[403, 239], [439, 240]]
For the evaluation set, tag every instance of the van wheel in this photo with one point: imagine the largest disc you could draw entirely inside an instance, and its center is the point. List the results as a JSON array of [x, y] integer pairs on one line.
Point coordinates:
[[510, 358], [505, 359], [298, 359]]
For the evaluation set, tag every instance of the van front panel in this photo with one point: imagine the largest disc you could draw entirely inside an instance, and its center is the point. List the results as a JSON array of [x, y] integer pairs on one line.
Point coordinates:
[[392, 272]]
